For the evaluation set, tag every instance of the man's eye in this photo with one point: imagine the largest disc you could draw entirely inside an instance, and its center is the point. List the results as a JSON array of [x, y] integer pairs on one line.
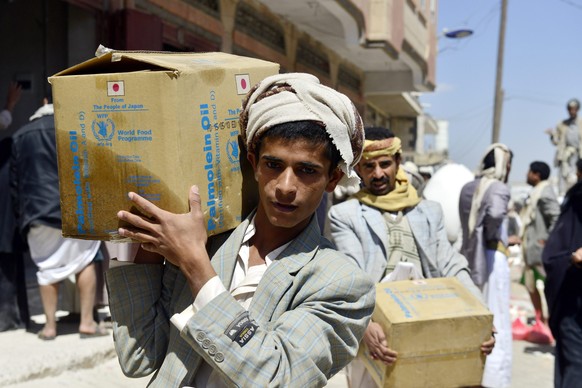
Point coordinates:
[[308, 170], [272, 164]]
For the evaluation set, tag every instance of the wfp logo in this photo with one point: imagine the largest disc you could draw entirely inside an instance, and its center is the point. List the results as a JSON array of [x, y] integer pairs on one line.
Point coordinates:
[[232, 151], [103, 130]]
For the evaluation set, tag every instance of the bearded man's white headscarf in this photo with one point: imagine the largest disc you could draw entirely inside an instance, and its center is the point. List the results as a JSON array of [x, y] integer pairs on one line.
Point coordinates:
[[502, 158]]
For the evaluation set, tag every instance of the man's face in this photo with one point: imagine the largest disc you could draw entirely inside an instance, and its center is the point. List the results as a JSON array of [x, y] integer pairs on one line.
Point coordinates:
[[292, 176], [508, 171], [532, 178], [379, 174], [573, 110]]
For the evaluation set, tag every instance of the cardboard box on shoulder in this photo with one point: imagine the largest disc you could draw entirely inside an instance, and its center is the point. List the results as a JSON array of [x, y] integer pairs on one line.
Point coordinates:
[[153, 123], [437, 327]]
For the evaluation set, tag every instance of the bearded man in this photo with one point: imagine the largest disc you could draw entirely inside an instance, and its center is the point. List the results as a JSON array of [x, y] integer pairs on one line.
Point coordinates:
[[386, 223]]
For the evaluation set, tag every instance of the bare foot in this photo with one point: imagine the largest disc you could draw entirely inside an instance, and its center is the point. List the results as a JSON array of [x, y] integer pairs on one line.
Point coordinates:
[[47, 333], [94, 330]]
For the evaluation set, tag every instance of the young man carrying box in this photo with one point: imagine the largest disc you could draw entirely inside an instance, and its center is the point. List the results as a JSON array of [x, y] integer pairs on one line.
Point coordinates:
[[276, 305]]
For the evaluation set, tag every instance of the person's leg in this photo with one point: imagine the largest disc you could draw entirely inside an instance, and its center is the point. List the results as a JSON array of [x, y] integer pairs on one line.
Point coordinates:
[[536, 300], [562, 177], [558, 364], [570, 352], [21, 293], [10, 315], [539, 333], [571, 177], [49, 294], [531, 276], [87, 283], [496, 293]]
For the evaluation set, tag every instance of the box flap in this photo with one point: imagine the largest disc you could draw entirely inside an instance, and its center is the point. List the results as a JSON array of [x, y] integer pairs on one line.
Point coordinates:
[[126, 61], [111, 62]]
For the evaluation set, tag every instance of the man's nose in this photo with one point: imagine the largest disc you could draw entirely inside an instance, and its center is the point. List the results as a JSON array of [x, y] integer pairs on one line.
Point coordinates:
[[287, 182], [378, 171]]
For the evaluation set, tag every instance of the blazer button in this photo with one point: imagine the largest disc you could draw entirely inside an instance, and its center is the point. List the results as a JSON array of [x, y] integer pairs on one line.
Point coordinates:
[[206, 343], [219, 357], [200, 336], [212, 350]]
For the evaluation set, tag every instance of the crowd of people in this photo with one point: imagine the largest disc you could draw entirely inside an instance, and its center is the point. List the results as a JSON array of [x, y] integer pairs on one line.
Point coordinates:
[[274, 302]]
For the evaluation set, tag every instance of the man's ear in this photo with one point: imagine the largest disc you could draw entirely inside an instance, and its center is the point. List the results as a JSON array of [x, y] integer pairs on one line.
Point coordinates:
[[336, 175], [398, 160]]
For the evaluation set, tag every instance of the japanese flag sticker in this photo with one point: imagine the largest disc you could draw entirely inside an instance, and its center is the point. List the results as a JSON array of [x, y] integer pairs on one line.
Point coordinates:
[[115, 88], [243, 83]]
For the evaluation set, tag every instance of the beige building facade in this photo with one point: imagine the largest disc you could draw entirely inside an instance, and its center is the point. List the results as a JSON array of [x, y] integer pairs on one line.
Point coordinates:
[[378, 52]]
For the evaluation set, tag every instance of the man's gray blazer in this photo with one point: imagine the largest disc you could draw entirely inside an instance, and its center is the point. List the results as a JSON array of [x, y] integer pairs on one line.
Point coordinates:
[[310, 310], [536, 233], [489, 227], [360, 232]]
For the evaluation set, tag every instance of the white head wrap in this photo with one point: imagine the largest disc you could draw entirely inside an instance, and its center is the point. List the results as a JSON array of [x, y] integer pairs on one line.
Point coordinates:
[[502, 156], [290, 97], [499, 169]]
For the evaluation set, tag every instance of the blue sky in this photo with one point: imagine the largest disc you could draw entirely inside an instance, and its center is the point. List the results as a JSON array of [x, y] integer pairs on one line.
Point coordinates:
[[542, 70]]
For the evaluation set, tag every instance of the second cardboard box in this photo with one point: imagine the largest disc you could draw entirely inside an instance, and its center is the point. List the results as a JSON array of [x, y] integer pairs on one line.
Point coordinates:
[[437, 327]]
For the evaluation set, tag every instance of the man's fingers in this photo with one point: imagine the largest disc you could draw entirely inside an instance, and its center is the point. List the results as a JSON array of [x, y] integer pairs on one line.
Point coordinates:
[[146, 207], [135, 220], [194, 198], [389, 353], [137, 235], [387, 356], [487, 346]]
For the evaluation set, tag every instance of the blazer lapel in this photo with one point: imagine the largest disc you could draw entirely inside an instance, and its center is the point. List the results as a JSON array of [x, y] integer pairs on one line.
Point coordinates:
[[377, 224], [272, 290], [224, 260], [417, 226]]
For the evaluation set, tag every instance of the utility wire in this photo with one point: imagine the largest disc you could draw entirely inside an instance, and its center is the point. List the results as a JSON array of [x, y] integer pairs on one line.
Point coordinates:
[[572, 3], [470, 113], [538, 100], [476, 140], [476, 136]]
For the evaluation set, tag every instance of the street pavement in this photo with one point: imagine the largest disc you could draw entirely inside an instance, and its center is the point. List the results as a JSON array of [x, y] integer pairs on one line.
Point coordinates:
[[69, 361]]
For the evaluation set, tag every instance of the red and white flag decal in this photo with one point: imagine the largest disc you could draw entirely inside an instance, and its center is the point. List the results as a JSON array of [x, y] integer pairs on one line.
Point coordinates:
[[115, 88], [243, 83]]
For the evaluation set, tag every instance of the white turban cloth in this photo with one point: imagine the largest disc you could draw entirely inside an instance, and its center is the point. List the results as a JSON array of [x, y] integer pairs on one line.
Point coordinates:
[[499, 169], [497, 172], [291, 97]]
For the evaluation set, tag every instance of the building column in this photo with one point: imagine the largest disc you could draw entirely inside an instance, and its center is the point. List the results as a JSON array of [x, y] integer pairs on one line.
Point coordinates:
[[334, 65], [228, 18], [291, 42]]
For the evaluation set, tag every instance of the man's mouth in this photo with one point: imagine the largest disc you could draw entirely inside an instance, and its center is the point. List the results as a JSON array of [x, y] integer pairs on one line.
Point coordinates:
[[379, 183], [286, 208]]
